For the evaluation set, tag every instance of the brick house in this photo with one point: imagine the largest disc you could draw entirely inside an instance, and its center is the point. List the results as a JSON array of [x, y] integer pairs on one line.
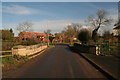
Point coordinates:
[[40, 37], [116, 31]]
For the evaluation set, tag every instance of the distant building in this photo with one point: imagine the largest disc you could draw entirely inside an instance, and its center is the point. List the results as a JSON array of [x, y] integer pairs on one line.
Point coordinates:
[[116, 31], [40, 37]]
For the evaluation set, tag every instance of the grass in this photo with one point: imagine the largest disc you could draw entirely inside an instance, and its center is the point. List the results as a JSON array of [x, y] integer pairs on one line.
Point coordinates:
[[51, 45], [71, 45], [13, 59], [12, 62]]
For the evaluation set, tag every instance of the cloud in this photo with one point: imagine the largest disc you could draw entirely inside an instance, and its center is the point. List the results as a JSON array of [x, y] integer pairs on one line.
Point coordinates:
[[41, 26], [19, 10], [54, 25]]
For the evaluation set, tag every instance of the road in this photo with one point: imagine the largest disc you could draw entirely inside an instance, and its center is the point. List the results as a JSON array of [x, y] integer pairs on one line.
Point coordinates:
[[58, 62]]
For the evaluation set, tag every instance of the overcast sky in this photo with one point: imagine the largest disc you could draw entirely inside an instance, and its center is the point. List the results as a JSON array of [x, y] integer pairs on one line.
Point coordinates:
[[52, 15]]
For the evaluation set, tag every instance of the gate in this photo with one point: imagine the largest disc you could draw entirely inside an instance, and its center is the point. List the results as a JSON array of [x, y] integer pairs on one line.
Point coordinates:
[[108, 48], [103, 47]]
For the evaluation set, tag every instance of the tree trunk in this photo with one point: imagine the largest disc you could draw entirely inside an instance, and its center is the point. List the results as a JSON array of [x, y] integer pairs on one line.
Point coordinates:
[[94, 33]]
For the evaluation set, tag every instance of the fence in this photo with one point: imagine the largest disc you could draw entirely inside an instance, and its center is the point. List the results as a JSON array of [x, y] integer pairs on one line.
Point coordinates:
[[107, 47], [28, 50]]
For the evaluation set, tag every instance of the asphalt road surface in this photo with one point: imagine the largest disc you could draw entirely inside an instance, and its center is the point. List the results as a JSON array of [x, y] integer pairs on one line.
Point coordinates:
[[59, 62]]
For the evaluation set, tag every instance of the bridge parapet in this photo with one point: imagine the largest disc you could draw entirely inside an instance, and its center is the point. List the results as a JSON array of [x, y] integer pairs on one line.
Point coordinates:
[[28, 50]]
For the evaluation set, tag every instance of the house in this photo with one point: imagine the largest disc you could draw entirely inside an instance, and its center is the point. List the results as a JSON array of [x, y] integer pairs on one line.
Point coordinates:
[[58, 37], [116, 31], [26, 35], [40, 37]]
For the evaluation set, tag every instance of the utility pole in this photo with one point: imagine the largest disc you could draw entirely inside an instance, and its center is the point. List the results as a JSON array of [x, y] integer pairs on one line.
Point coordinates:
[[48, 38], [48, 32]]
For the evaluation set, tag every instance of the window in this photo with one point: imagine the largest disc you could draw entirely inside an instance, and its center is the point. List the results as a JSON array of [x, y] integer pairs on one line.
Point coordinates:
[[27, 39], [38, 36], [23, 38]]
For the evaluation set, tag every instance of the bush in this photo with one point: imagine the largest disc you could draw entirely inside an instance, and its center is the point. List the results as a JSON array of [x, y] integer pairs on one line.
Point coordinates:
[[7, 35], [7, 45], [29, 42], [84, 36]]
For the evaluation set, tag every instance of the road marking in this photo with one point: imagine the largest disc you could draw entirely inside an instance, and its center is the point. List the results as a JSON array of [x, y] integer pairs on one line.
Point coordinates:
[[71, 70]]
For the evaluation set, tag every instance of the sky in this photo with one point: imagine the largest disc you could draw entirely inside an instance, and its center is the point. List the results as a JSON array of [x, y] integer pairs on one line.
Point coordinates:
[[60, 0], [52, 15]]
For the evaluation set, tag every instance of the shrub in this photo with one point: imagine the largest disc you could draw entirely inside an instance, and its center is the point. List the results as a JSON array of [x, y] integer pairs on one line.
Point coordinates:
[[7, 35], [84, 36], [29, 42], [7, 45]]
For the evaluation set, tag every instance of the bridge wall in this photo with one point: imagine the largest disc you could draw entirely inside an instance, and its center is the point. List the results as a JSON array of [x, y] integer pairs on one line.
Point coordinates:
[[87, 49], [28, 50]]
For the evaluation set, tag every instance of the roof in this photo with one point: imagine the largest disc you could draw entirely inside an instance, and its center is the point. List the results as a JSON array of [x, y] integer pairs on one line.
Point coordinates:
[[39, 34], [118, 27], [50, 35], [27, 33]]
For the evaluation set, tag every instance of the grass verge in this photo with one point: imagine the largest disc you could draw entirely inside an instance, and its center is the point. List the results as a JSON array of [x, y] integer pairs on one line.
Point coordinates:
[[51, 46], [12, 62]]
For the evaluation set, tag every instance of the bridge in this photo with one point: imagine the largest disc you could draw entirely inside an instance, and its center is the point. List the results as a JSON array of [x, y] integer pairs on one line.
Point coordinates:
[[58, 62]]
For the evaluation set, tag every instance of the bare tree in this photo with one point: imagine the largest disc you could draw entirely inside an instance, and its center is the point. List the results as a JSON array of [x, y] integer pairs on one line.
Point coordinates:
[[25, 27], [98, 21], [118, 26], [72, 31]]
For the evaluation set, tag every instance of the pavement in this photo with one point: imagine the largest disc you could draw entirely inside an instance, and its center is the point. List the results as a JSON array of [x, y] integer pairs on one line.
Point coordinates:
[[59, 62], [108, 65]]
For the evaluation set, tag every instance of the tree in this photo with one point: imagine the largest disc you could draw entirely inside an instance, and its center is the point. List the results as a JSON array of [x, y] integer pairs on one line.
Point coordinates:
[[72, 31], [48, 31], [98, 21], [25, 27], [84, 36], [7, 35], [51, 38], [11, 30], [107, 35], [118, 25]]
